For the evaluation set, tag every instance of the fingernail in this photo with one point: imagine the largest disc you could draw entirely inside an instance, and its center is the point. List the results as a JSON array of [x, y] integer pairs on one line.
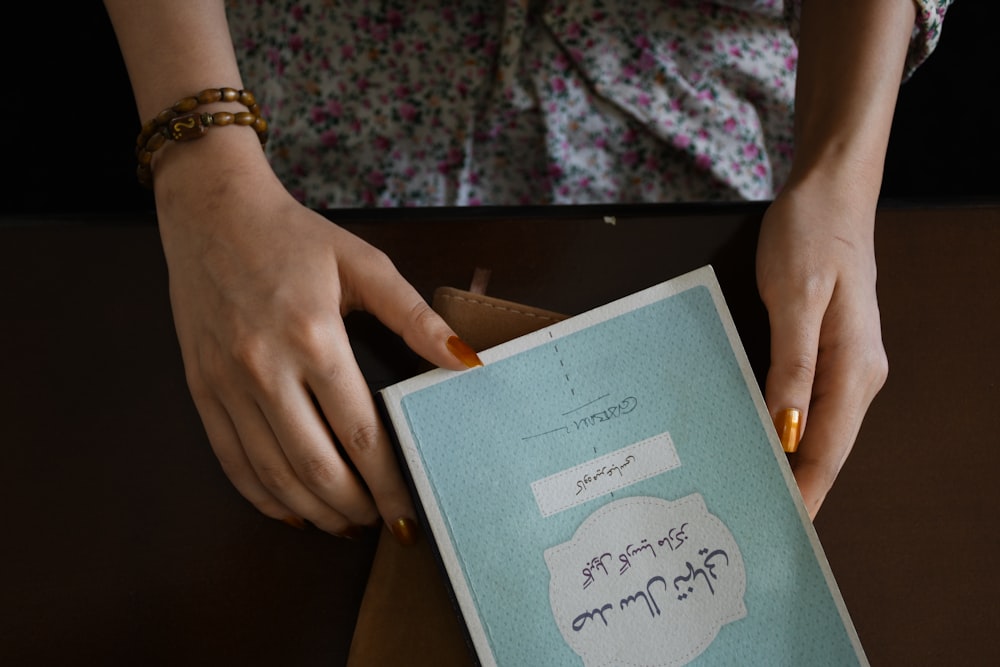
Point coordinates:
[[463, 352], [404, 530], [295, 522], [788, 423], [352, 533]]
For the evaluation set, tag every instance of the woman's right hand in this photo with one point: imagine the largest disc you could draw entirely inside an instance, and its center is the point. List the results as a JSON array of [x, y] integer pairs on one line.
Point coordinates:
[[259, 286]]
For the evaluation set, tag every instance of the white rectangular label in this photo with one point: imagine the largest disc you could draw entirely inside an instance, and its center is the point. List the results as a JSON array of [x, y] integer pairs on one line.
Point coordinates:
[[604, 474]]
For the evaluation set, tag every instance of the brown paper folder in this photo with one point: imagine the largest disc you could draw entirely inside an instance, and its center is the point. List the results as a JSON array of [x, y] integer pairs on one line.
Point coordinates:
[[407, 616]]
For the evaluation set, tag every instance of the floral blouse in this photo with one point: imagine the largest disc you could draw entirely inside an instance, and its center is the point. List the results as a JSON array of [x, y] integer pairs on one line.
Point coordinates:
[[493, 102]]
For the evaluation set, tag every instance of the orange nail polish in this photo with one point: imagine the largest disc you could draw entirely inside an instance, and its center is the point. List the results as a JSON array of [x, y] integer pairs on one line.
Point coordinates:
[[788, 423], [463, 352], [294, 522], [352, 533], [404, 530]]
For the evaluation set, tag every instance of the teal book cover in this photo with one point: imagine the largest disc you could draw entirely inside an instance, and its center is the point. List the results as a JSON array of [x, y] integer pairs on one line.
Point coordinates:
[[610, 491]]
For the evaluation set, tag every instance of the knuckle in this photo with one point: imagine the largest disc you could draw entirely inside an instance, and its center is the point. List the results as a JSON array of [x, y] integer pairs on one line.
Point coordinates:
[[277, 479], [421, 316], [311, 334], [314, 339], [420, 324], [376, 258], [318, 472], [248, 349], [879, 368], [870, 368], [815, 291], [251, 353], [805, 289], [362, 439], [370, 257], [800, 369]]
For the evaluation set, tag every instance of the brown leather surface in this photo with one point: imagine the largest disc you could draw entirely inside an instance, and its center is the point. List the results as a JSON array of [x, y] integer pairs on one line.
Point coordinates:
[[406, 616], [123, 543], [407, 597], [484, 321]]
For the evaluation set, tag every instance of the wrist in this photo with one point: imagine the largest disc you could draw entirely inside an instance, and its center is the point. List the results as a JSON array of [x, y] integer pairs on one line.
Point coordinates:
[[826, 209], [844, 181], [211, 193], [224, 160]]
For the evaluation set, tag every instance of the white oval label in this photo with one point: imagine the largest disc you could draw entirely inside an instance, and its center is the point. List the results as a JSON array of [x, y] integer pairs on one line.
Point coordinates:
[[646, 581]]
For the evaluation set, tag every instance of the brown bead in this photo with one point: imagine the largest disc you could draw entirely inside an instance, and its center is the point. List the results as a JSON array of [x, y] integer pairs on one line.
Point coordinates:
[[164, 117], [187, 128], [185, 105], [222, 118], [145, 157], [229, 94], [149, 128], [245, 118], [156, 142], [260, 125], [247, 99], [209, 96]]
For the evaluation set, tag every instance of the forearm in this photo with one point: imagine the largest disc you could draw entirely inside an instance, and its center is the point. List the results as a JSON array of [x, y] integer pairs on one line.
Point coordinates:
[[173, 49], [851, 60]]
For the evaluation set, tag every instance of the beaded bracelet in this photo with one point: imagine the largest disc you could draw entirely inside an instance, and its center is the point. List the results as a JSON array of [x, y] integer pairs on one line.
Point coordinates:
[[180, 122]]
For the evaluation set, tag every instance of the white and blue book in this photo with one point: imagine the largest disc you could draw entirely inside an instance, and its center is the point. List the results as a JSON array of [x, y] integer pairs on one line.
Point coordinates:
[[610, 491]]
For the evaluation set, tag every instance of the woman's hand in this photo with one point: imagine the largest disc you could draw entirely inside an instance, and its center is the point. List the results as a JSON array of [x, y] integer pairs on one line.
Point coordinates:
[[816, 275], [259, 286]]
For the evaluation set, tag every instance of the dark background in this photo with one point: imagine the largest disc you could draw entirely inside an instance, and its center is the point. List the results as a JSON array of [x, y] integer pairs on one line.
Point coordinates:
[[68, 121]]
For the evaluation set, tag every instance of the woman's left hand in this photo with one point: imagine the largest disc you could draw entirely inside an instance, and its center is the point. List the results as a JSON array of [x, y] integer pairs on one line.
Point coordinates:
[[816, 275]]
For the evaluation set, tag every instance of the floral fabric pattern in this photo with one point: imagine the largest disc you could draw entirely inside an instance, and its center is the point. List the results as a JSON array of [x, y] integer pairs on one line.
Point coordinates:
[[469, 102]]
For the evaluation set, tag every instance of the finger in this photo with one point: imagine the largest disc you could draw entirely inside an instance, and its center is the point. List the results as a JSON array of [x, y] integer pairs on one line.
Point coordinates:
[[840, 402], [821, 456], [275, 473], [400, 307], [309, 449], [228, 450], [851, 372], [795, 334], [345, 399]]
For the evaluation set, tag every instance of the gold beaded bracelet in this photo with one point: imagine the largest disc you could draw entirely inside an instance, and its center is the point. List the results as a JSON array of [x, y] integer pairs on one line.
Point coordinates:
[[180, 122]]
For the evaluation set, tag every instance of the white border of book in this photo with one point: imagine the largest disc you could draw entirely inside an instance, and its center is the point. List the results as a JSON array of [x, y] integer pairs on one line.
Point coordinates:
[[704, 276]]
